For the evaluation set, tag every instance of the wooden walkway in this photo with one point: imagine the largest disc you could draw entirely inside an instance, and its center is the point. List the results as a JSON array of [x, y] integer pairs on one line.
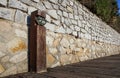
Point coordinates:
[[107, 67]]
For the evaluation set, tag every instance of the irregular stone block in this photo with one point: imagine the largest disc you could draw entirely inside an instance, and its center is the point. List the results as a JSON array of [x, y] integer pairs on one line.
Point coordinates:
[[20, 17], [5, 26], [60, 30], [36, 0], [50, 60], [70, 9], [16, 45], [54, 1], [53, 51], [53, 14], [56, 64], [65, 14], [31, 9], [20, 33], [3, 2], [2, 54], [48, 18], [49, 26], [65, 43], [49, 40], [10, 71], [5, 59], [59, 12], [47, 5], [7, 13], [19, 57], [17, 4], [1, 69], [64, 59]]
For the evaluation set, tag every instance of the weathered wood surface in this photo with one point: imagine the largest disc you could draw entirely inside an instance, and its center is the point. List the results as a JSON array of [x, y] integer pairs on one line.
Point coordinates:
[[106, 67], [37, 45]]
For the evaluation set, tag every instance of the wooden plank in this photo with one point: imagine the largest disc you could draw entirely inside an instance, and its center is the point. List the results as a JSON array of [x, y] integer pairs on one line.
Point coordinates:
[[41, 49], [37, 44]]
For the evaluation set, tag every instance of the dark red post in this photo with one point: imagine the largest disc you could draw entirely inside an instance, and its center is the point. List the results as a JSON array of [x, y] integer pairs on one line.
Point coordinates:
[[37, 44]]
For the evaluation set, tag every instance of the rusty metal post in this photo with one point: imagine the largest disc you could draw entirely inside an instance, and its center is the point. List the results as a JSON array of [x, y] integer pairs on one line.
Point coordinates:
[[37, 44]]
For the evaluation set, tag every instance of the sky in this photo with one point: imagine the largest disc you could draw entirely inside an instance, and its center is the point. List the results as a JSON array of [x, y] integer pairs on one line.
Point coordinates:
[[118, 2]]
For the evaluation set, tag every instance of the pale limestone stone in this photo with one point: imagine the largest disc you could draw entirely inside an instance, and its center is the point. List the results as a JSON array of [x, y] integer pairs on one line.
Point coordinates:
[[56, 42], [56, 22], [74, 22], [70, 9], [74, 33], [53, 51], [79, 23], [64, 59], [50, 60], [20, 17], [12, 70], [7, 13], [2, 47], [40, 6], [77, 28], [72, 27], [16, 25], [5, 59], [64, 42], [59, 12], [74, 59], [47, 5], [1, 69], [60, 30], [49, 40], [65, 14], [5, 26], [64, 2], [55, 6], [20, 33], [36, 0], [84, 44], [71, 16], [68, 31], [71, 3], [49, 26], [17, 4], [62, 19], [83, 58], [31, 9], [16, 45], [2, 54], [72, 46], [56, 64], [53, 14], [80, 53], [28, 2], [72, 41], [48, 18], [76, 17], [62, 50], [3, 2], [19, 57], [69, 51], [54, 1]]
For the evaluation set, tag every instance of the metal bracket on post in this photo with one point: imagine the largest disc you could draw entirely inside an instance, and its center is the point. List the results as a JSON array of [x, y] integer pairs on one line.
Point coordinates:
[[37, 42]]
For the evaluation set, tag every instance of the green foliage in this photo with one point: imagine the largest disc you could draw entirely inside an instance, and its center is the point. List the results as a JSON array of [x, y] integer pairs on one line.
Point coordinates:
[[107, 10]]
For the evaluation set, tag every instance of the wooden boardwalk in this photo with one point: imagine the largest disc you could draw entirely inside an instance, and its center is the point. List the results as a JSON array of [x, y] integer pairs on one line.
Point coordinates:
[[106, 67]]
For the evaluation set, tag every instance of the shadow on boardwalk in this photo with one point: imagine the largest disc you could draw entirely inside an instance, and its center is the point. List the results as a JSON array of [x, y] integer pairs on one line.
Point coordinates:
[[106, 67]]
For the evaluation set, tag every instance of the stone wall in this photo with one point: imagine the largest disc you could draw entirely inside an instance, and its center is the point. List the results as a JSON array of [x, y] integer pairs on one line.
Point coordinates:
[[74, 34]]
